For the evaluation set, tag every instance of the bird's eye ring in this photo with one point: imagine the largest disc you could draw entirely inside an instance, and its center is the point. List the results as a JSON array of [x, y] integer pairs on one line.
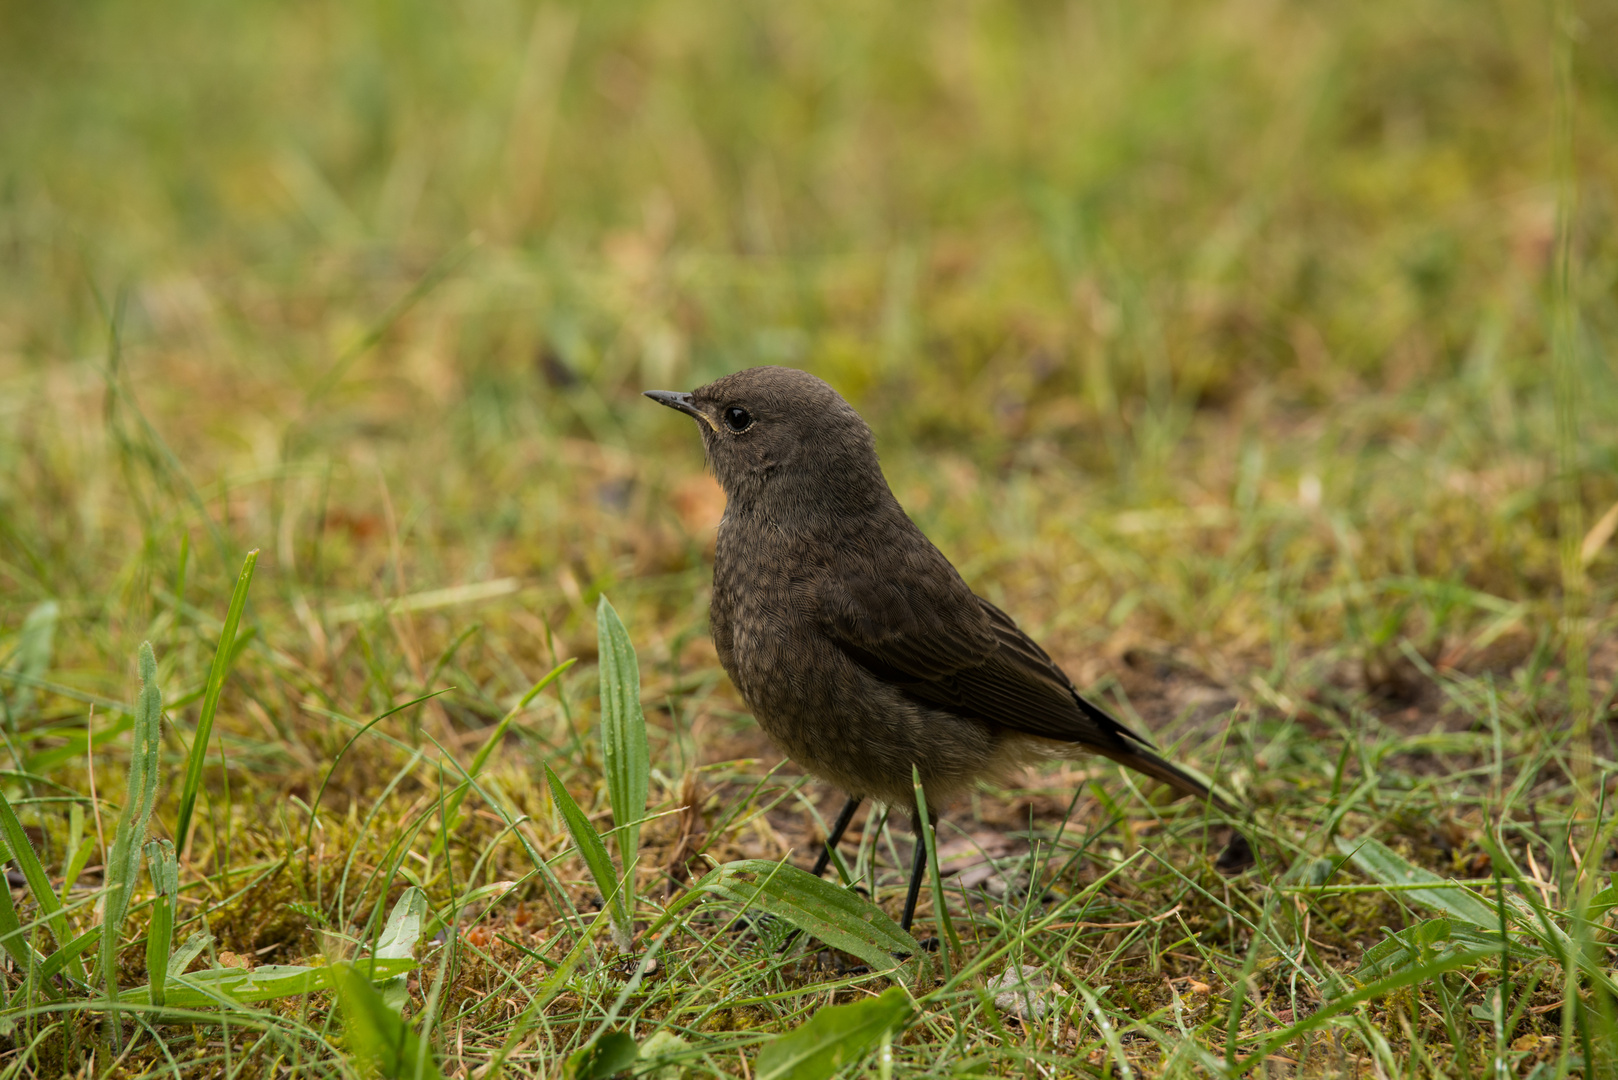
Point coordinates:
[[738, 419]]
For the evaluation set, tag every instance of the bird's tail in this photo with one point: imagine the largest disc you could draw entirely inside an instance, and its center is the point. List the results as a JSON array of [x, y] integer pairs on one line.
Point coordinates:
[[1144, 760], [1134, 750], [1238, 853]]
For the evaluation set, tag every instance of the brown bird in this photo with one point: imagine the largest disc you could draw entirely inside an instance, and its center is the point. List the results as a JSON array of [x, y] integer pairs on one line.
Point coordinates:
[[857, 645]]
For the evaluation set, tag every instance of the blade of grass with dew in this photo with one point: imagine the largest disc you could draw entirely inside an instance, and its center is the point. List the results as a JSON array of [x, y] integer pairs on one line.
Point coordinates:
[[165, 871], [833, 1038], [595, 856], [140, 794], [627, 761], [224, 653]]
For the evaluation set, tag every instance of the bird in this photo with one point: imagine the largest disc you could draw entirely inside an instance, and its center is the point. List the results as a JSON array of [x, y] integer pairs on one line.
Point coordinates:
[[861, 651]]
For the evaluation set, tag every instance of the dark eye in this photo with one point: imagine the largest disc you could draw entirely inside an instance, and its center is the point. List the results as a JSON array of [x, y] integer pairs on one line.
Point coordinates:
[[738, 419]]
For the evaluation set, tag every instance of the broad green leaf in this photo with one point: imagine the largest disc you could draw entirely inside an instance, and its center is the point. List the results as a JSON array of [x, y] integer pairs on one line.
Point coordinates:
[[607, 1055], [1376, 860], [1382, 864], [833, 1038], [837, 916], [1602, 902], [224, 653], [215, 986], [1421, 943], [596, 858], [189, 951], [377, 1034], [623, 739], [160, 933], [398, 941], [404, 924], [666, 1052], [140, 793]]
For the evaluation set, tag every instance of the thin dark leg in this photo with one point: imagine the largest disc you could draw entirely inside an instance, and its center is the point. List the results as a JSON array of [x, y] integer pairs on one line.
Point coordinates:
[[918, 867], [838, 828]]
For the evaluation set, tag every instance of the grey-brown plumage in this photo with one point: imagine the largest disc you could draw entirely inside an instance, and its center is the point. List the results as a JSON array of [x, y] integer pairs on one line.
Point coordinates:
[[857, 645]]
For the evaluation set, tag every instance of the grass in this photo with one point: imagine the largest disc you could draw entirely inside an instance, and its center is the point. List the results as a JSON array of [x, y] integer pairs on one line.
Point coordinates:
[[1258, 357]]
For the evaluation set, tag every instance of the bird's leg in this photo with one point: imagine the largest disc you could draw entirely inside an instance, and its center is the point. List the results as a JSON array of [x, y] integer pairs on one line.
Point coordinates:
[[918, 867], [838, 828]]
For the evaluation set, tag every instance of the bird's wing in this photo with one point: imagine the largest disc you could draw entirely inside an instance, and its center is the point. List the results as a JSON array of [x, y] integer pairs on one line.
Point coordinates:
[[919, 627]]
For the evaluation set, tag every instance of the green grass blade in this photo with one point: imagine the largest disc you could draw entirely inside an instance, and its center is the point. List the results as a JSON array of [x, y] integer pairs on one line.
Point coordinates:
[[140, 793], [14, 940], [224, 653], [39, 883], [924, 835], [331, 770], [377, 1034], [452, 804], [188, 951], [80, 848], [837, 916], [80, 945], [165, 873], [552, 986], [1410, 976], [623, 739], [835, 1037], [33, 659], [597, 860]]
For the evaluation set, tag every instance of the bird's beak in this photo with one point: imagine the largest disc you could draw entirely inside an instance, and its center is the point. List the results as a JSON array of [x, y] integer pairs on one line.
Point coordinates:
[[675, 399]]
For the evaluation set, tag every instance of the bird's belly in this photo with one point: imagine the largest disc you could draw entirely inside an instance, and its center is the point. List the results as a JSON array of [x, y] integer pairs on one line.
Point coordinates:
[[840, 723], [831, 716]]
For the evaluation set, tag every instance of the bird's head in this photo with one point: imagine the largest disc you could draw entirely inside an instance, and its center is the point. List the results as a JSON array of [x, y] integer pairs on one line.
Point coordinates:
[[779, 436]]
